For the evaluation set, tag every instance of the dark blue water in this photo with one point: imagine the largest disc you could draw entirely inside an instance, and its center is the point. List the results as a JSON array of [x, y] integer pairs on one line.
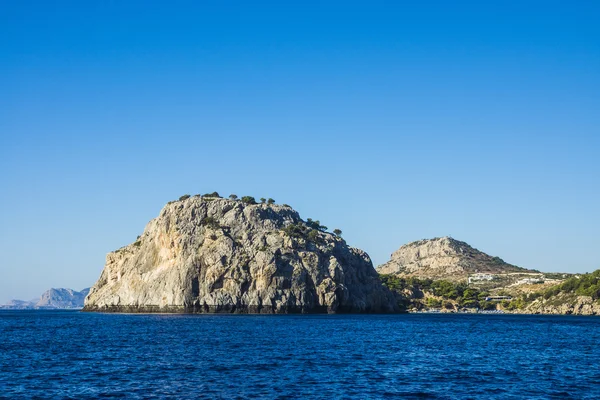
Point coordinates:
[[82, 355]]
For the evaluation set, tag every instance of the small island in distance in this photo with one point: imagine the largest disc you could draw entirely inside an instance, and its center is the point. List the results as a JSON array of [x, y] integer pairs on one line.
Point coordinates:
[[51, 299], [208, 254]]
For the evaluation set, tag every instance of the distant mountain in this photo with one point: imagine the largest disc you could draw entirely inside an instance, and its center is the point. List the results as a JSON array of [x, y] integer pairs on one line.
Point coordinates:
[[19, 304], [444, 258], [52, 299]]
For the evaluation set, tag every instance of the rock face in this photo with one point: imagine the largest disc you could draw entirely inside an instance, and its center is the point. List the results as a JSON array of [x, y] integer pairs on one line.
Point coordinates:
[[443, 258], [51, 299], [563, 304], [216, 255]]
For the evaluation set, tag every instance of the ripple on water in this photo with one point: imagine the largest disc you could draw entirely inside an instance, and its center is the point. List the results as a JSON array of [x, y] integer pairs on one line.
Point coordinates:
[[82, 355]]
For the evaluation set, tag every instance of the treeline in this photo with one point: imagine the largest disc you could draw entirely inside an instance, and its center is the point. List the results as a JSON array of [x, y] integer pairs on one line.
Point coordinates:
[[308, 230], [470, 297], [459, 293], [582, 285], [244, 199]]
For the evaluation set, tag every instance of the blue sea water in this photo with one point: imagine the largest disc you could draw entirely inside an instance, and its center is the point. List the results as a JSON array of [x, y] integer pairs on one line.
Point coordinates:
[[66, 354]]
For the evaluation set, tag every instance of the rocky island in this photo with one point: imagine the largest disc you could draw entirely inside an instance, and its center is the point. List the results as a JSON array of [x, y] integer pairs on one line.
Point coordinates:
[[207, 254]]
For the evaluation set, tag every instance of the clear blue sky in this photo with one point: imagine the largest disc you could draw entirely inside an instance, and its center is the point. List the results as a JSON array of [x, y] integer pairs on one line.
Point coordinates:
[[393, 121]]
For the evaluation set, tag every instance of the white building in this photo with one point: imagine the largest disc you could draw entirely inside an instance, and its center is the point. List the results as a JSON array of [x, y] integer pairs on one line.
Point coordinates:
[[480, 278]]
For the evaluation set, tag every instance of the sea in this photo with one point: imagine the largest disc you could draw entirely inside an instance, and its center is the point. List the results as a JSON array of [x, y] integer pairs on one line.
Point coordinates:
[[79, 355]]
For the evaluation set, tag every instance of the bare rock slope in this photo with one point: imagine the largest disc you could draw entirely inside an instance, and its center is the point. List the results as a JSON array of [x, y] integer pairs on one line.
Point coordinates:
[[206, 254], [443, 258]]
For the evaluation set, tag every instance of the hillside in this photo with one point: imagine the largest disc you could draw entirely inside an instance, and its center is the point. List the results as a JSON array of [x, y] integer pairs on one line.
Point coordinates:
[[445, 258], [578, 295]]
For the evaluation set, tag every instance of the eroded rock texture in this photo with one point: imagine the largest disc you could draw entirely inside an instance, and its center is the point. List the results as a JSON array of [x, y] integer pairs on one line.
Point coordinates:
[[217, 255]]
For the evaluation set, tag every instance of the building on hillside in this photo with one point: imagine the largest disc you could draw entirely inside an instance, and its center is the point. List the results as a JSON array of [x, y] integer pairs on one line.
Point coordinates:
[[530, 281], [480, 278], [497, 298]]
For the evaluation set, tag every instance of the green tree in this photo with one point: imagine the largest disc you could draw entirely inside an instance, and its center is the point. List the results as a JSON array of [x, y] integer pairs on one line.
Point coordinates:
[[263, 200], [213, 194], [487, 305], [313, 236], [433, 303], [248, 200], [315, 225], [233, 196], [184, 197], [337, 232], [271, 201]]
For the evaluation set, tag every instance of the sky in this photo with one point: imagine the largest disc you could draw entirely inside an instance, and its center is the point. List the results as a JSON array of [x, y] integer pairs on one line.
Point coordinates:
[[393, 121]]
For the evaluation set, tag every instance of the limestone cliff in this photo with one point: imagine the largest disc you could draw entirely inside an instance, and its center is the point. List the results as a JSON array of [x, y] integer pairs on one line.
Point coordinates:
[[208, 254], [443, 258]]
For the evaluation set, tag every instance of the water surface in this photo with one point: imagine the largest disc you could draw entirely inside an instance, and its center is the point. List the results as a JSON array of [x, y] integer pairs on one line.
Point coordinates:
[[70, 354]]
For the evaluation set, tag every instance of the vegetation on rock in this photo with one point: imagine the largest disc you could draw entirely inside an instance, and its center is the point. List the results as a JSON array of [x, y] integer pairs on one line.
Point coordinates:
[[302, 231], [210, 222], [419, 293], [583, 285], [248, 200], [315, 225]]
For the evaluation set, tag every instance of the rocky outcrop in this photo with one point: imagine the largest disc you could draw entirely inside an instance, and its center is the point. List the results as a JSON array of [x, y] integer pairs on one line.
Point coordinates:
[[207, 254], [565, 304], [443, 258], [51, 299]]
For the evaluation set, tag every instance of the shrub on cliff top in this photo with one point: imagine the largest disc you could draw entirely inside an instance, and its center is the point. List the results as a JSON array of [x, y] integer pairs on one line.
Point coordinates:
[[295, 231], [315, 225], [248, 200], [301, 231], [184, 197]]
